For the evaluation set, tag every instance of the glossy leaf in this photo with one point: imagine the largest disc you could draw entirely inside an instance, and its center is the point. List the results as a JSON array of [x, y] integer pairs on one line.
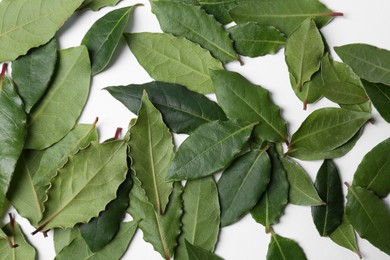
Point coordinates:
[[24, 249], [379, 95], [373, 172], [32, 73], [284, 248], [39, 18], [63, 237], [367, 61], [328, 184], [57, 112], [201, 218], [344, 235], [311, 90], [199, 253], [151, 152], [210, 148], [96, 5], [174, 60], [321, 131], [254, 39], [302, 191], [98, 169], [242, 185], [284, 15], [240, 99], [161, 231], [219, 8], [193, 23], [369, 216]]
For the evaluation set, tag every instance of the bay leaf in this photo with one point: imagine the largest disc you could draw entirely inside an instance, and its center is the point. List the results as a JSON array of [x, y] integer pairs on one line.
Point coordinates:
[[199, 253], [24, 249], [96, 5], [373, 171], [219, 8], [328, 184], [240, 99], [174, 60], [32, 73], [40, 18], [201, 218], [284, 248], [193, 23], [210, 148], [242, 184], [379, 95], [63, 237], [344, 235], [311, 90], [57, 112], [369, 216], [254, 39], [362, 107]]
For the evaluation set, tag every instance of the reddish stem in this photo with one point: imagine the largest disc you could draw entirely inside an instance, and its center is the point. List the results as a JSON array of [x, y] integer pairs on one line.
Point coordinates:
[[12, 224], [240, 61], [4, 69], [96, 121], [117, 133], [45, 233], [305, 105]]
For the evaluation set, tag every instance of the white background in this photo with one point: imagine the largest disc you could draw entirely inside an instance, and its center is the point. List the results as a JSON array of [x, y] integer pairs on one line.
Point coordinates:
[[363, 22]]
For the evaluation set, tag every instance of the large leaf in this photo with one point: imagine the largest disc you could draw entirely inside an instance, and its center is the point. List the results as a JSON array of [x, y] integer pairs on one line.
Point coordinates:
[[240, 99], [24, 249], [254, 39], [284, 248], [56, 114], [328, 184], [175, 60], [302, 191], [98, 169], [210, 148], [103, 37], [32, 73], [183, 110], [242, 185], [201, 217], [161, 231], [284, 15], [151, 152], [373, 172], [219, 8], [367, 61], [96, 5], [369, 216], [196, 25], [199, 253], [344, 235], [326, 129], [379, 95], [30, 23]]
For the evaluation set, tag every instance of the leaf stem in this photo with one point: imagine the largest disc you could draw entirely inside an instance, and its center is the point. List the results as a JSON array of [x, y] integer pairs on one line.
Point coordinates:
[[117, 133], [12, 224], [96, 121], [4, 70]]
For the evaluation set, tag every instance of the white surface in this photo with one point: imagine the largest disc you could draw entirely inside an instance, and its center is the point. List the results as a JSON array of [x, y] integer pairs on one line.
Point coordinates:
[[364, 21]]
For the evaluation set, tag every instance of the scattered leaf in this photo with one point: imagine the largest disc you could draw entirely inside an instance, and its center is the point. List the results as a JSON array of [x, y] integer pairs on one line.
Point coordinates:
[[24, 249], [219, 8], [198, 253], [344, 235], [96, 5], [284, 248], [379, 95]]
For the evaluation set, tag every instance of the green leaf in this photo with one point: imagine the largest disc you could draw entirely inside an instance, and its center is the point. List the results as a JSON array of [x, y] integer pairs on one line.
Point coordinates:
[[254, 39], [56, 114], [379, 95], [193, 23], [321, 131], [174, 60], [29, 24], [78, 248], [219, 8], [161, 231], [210, 148], [201, 217], [362, 107], [328, 184], [369, 216], [311, 90], [98, 169], [271, 205], [373, 172], [284, 15], [302, 191], [240, 99], [12, 131], [24, 249], [304, 50], [344, 236], [103, 37], [151, 152], [284, 248], [199, 253], [35, 169], [367, 61], [63, 237], [242, 185], [96, 5], [32, 73], [183, 110]]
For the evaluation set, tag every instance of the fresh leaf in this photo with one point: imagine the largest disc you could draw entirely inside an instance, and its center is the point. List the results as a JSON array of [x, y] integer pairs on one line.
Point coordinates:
[[210, 148], [240, 99], [96, 5], [29, 24], [284, 248], [242, 185], [219, 8], [344, 235], [362, 107], [311, 90], [328, 184], [174, 60], [63, 237], [56, 114], [24, 249], [32, 73], [379, 95], [373, 171], [193, 23], [199, 253], [369, 216], [201, 218]]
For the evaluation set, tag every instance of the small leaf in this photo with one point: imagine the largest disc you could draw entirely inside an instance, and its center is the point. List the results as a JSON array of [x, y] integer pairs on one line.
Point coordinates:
[[379, 95], [210, 148], [344, 236], [24, 249], [96, 5], [284, 248], [198, 253]]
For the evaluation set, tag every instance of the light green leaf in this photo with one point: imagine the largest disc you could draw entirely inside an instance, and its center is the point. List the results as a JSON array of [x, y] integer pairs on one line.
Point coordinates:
[[199, 253], [22, 252], [379, 95], [174, 60], [344, 236], [63, 237], [284, 248], [96, 5]]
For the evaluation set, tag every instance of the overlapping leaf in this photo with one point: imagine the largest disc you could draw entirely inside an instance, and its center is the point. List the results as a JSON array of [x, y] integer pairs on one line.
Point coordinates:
[[198, 253], [379, 95], [96, 5], [24, 249], [284, 248], [63, 237], [344, 236], [219, 8], [311, 90]]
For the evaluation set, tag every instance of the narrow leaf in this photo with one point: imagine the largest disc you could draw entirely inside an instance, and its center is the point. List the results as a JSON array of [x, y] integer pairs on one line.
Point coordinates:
[[284, 248], [96, 5], [344, 236], [379, 95], [24, 249], [199, 253]]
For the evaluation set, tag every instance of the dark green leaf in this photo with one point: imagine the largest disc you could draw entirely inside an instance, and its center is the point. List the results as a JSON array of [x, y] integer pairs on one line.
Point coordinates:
[[379, 95], [198, 253], [219, 8], [284, 248], [311, 90], [344, 236]]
